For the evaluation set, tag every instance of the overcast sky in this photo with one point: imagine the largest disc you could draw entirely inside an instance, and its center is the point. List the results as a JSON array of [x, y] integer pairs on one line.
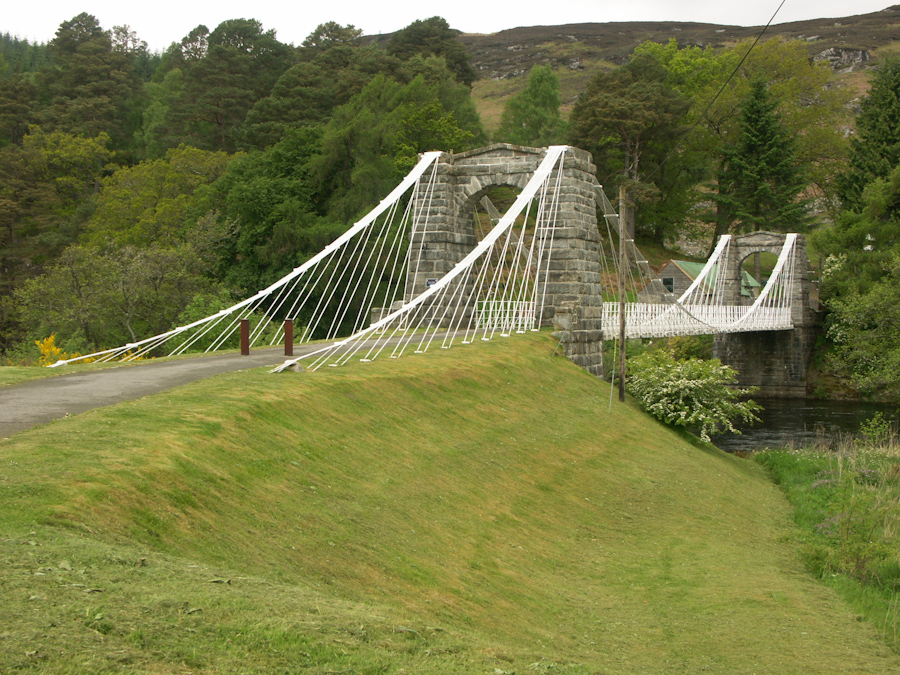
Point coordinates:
[[165, 21]]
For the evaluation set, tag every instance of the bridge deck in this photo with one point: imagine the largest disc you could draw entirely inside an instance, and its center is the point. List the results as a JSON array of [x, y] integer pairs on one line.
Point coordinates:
[[664, 320]]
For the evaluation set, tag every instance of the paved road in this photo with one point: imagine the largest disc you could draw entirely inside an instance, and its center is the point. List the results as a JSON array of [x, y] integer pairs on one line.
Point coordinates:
[[26, 405]]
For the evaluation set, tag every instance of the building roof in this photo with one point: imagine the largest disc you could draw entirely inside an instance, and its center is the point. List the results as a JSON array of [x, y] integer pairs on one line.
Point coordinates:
[[693, 269]]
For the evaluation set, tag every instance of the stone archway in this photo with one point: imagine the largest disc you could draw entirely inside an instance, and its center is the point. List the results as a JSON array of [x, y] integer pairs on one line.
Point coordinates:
[[774, 361], [573, 300]]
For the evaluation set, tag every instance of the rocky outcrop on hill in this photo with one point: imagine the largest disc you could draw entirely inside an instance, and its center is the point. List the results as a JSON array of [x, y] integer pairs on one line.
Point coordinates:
[[846, 43], [844, 60]]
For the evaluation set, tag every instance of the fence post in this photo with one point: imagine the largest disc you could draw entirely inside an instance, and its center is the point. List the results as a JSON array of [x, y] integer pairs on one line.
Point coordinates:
[[288, 337], [245, 337]]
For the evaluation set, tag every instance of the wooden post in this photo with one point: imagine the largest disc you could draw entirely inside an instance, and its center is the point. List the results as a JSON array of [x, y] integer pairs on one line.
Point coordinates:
[[288, 337], [245, 337], [623, 263]]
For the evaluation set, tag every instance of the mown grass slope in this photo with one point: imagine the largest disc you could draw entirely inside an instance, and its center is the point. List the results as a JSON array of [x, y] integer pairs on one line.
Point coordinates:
[[477, 510]]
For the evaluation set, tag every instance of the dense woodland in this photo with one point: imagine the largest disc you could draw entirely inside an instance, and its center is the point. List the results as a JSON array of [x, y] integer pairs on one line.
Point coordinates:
[[141, 189]]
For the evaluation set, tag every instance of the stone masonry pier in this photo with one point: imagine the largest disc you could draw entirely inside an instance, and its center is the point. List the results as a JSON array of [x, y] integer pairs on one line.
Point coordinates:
[[774, 361], [571, 298]]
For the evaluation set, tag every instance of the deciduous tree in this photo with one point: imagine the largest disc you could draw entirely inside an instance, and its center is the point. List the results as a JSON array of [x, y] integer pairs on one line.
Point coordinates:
[[811, 105], [108, 298], [532, 116], [864, 326], [369, 141], [156, 201]]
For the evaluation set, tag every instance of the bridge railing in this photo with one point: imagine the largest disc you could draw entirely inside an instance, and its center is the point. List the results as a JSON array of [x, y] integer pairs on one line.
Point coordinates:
[[505, 315], [661, 320]]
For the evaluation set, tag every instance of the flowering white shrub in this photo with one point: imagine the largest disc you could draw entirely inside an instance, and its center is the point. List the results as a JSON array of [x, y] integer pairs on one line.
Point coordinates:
[[690, 393]]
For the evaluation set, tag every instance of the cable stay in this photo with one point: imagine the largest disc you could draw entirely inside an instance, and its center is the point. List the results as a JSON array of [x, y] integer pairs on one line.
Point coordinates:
[[363, 268], [711, 304], [366, 284], [496, 290]]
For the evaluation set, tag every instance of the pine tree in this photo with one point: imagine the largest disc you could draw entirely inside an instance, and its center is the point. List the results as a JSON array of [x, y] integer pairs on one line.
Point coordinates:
[[760, 183], [875, 150], [91, 86], [434, 36]]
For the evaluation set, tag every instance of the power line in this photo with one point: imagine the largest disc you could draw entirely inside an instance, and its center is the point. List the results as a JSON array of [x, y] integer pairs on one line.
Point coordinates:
[[722, 89]]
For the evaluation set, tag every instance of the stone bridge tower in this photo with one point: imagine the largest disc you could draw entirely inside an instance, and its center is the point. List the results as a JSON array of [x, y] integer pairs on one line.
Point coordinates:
[[572, 299], [775, 361]]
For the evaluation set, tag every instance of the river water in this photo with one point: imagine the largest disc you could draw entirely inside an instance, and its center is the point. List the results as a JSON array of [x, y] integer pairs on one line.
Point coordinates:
[[802, 422]]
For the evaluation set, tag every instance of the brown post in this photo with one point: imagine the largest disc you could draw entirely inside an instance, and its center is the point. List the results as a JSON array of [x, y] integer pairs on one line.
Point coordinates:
[[245, 337], [623, 263], [288, 337]]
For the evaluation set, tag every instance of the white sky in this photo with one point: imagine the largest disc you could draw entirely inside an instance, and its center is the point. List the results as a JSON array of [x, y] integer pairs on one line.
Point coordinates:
[[165, 21]]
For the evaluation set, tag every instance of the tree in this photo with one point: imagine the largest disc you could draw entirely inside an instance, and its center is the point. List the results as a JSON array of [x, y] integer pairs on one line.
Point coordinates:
[[21, 56], [370, 140], [44, 184], [862, 249], [860, 246], [269, 197], [329, 75], [627, 116], [156, 201], [225, 73], [875, 150], [27, 197], [18, 108], [532, 116], [126, 41], [157, 126], [811, 106], [760, 184], [435, 37], [90, 84], [864, 326], [329, 35], [107, 298]]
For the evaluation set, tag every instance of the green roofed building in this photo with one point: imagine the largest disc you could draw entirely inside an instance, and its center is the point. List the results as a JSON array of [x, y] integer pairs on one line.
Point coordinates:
[[677, 275]]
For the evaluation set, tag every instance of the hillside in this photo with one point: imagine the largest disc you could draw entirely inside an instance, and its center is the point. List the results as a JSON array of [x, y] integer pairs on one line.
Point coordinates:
[[577, 50], [474, 511]]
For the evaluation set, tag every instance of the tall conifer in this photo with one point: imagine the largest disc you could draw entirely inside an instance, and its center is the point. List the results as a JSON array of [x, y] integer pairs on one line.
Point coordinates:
[[761, 183], [875, 150]]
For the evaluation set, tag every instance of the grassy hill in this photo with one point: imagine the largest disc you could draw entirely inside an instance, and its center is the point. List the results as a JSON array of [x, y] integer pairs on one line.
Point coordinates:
[[473, 511], [577, 51]]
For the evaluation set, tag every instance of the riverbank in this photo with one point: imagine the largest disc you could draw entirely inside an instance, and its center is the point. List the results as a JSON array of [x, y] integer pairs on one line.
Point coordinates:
[[799, 423], [846, 504]]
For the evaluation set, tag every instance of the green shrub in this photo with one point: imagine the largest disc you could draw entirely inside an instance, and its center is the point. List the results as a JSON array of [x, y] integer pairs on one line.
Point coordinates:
[[690, 393]]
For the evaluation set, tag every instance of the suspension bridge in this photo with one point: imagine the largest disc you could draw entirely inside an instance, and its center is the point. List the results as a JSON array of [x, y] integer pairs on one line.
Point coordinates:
[[437, 265]]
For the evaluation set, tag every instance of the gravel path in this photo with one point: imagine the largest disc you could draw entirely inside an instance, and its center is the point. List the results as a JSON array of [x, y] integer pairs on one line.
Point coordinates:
[[29, 404]]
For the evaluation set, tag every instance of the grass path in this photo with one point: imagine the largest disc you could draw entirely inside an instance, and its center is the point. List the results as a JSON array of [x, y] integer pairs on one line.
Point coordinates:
[[477, 510]]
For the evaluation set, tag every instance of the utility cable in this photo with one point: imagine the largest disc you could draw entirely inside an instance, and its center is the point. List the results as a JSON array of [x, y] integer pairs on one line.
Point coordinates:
[[722, 89]]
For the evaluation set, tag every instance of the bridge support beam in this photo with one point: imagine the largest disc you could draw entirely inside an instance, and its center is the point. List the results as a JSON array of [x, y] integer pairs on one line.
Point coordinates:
[[774, 361], [571, 300]]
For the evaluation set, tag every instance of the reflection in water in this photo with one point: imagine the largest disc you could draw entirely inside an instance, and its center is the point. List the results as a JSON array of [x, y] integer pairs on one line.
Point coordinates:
[[801, 422]]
